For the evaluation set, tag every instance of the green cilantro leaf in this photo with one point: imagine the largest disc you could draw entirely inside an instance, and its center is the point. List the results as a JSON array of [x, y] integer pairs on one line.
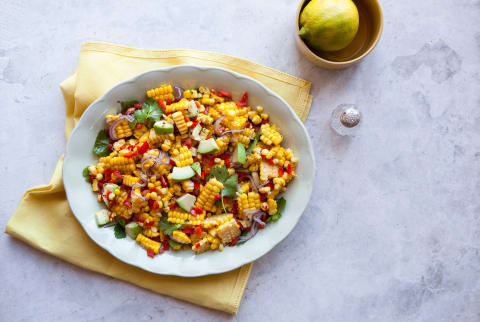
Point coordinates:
[[86, 174], [152, 110], [230, 186], [220, 173], [139, 116], [230, 183], [100, 147], [167, 227], [125, 105], [149, 114], [253, 145]]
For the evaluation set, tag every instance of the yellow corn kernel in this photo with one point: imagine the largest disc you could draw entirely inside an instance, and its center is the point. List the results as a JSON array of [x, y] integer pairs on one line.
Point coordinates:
[[177, 216], [245, 187], [272, 206], [222, 143], [228, 231], [190, 94], [179, 120], [188, 185], [201, 246], [248, 201], [151, 231], [206, 198], [216, 220], [147, 243], [180, 237], [207, 100], [270, 135], [184, 157], [244, 137], [154, 138], [204, 119], [164, 93], [138, 132], [123, 129], [122, 164], [166, 145], [178, 106], [129, 180]]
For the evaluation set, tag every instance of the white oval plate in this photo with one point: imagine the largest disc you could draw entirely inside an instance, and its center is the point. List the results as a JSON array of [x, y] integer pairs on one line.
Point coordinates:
[[184, 263]]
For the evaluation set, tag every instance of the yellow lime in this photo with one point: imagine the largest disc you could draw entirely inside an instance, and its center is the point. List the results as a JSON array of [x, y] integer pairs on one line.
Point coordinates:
[[329, 25]]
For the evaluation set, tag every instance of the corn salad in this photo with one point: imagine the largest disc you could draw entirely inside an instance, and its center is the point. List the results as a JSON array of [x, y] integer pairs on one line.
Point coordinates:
[[189, 169]]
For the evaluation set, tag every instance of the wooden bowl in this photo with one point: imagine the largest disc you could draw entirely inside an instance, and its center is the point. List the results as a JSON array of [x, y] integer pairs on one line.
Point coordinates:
[[369, 32]]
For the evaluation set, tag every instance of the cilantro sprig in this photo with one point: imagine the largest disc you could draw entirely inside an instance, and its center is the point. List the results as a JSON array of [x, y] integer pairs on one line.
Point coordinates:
[[230, 183], [102, 141], [167, 227], [149, 114]]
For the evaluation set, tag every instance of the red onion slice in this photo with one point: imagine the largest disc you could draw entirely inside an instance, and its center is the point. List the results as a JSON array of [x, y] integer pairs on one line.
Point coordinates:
[[256, 184], [111, 130], [231, 131], [177, 92], [255, 215], [216, 125], [161, 156]]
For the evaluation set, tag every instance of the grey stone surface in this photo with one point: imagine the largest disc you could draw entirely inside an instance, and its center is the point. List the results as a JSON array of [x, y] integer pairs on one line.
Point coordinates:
[[393, 230]]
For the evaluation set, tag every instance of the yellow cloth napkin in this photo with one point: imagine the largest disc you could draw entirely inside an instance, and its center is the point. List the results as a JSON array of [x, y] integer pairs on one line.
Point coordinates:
[[43, 218]]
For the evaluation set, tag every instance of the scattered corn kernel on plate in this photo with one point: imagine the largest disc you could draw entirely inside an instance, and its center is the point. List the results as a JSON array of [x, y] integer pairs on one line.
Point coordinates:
[[188, 170]]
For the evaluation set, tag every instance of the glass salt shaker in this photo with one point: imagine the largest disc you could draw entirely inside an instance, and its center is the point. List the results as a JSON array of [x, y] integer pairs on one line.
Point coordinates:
[[345, 119]]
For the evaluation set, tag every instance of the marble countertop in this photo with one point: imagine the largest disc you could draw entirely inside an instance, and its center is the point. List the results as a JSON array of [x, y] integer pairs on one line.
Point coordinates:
[[393, 230]]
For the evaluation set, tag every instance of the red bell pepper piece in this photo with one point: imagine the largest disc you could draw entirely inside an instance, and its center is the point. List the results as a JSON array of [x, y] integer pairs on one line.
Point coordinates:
[[143, 148], [198, 210], [217, 197], [244, 97], [138, 126], [224, 94], [198, 230], [150, 253], [149, 224], [173, 206], [289, 169], [110, 147], [193, 213], [280, 172], [162, 105], [234, 241], [138, 106], [188, 230], [187, 142], [127, 204], [196, 185], [130, 154], [214, 92]]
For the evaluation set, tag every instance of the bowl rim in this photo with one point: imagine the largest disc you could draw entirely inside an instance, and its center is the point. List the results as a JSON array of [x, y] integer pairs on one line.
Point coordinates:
[[246, 259], [341, 63]]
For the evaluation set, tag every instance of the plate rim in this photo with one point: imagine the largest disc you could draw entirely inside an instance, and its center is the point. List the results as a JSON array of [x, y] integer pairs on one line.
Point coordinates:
[[246, 259]]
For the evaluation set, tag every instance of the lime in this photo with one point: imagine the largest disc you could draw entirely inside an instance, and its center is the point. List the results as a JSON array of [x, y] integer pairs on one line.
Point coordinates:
[[329, 25]]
